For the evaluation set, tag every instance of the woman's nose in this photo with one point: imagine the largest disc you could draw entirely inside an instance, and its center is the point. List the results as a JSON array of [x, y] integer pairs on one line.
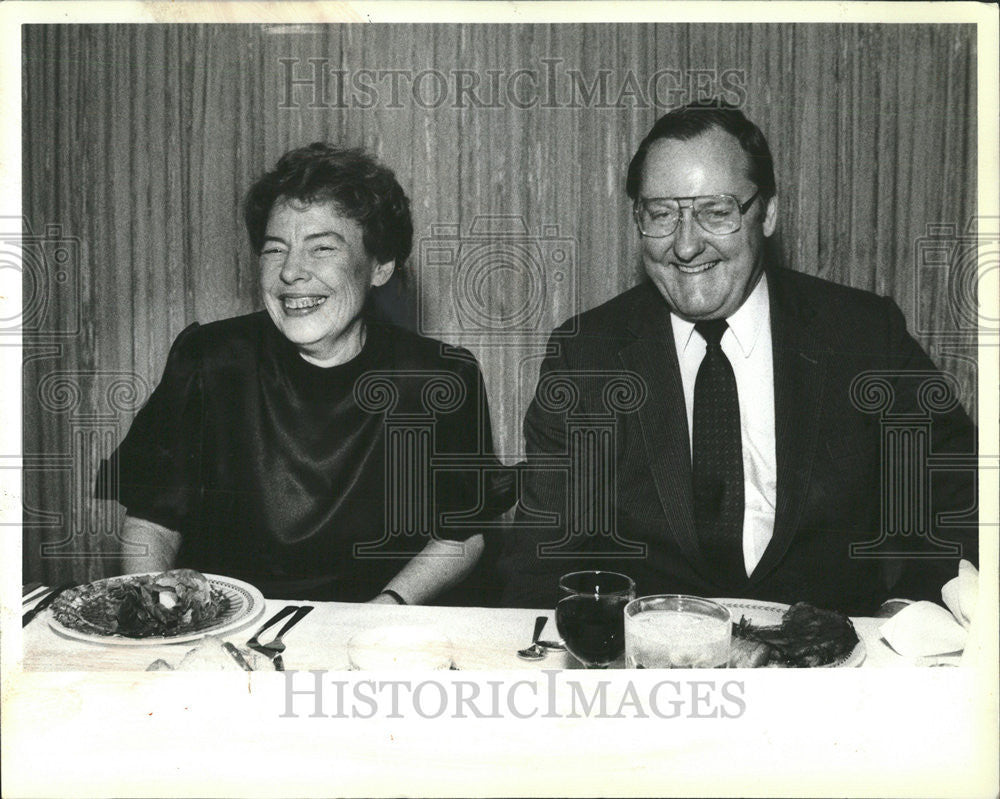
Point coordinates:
[[293, 269], [688, 241]]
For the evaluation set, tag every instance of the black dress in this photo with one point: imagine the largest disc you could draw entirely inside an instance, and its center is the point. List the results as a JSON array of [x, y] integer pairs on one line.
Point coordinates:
[[309, 482]]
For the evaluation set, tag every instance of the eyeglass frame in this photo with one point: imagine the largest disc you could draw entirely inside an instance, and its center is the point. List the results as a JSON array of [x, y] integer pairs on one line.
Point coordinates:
[[743, 208]]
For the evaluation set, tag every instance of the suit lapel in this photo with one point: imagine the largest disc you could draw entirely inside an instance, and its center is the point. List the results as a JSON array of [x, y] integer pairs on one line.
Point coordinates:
[[798, 388], [663, 416]]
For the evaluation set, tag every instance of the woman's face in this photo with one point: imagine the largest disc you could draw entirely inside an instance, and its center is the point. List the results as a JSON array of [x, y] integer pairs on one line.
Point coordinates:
[[315, 277]]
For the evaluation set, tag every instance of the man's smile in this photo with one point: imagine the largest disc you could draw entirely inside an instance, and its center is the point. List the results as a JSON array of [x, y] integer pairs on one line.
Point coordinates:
[[694, 269]]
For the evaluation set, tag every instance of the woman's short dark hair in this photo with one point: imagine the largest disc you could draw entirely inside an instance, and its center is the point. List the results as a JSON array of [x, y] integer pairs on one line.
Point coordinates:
[[694, 119], [360, 187]]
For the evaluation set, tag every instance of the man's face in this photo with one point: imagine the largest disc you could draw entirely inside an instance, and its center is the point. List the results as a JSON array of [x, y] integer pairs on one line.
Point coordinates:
[[703, 275], [315, 276]]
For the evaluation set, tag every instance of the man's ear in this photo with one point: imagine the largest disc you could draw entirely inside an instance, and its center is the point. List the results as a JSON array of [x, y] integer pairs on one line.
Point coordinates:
[[382, 272], [771, 216]]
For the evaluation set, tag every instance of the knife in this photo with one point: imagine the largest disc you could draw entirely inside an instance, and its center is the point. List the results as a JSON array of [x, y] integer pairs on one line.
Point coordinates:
[[44, 603], [237, 656]]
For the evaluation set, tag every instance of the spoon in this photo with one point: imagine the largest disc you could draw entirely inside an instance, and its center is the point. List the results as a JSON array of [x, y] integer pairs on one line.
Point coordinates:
[[534, 652]]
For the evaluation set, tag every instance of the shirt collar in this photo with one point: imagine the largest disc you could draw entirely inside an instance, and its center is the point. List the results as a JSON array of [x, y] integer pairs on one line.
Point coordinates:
[[744, 325]]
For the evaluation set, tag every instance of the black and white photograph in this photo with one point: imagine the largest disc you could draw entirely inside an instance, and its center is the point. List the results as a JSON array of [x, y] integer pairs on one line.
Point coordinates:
[[430, 400]]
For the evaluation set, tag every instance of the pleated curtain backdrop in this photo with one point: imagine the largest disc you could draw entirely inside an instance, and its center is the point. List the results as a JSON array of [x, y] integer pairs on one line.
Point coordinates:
[[512, 143]]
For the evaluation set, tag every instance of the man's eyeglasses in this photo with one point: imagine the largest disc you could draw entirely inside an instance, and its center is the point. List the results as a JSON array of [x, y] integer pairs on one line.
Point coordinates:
[[718, 214]]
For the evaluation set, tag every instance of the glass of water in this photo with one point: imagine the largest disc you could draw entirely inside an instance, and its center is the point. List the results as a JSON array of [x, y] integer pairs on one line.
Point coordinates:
[[676, 631]]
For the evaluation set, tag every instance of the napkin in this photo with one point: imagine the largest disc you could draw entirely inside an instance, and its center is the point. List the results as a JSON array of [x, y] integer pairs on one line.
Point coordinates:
[[960, 593], [922, 629]]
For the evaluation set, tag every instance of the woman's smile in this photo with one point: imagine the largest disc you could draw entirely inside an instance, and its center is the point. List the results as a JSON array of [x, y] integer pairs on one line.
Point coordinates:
[[298, 305]]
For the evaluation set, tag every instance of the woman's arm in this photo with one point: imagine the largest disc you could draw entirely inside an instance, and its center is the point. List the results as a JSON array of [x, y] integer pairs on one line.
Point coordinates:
[[439, 566], [157, 546]]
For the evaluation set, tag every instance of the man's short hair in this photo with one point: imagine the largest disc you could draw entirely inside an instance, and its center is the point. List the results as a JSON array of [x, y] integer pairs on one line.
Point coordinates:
[[362, 189], [692, 120]]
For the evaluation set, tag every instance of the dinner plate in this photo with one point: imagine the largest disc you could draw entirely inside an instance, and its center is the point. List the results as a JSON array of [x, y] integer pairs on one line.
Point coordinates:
[[244, 605], [769, 614]]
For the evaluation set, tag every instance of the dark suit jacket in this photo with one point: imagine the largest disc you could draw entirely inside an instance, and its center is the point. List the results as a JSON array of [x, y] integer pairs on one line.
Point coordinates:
[[828, 447]]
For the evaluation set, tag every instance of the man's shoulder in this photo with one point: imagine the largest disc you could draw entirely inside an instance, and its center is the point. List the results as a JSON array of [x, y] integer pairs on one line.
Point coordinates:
[[597, 333], [837, 317], [824, 295], [611, 314]]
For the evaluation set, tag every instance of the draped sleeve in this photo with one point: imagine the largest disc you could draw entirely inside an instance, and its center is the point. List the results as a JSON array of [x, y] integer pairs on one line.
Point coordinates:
[[155, 472]]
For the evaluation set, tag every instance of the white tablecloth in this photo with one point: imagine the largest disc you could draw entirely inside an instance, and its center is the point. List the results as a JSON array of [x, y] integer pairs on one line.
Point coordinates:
[[483, 639]]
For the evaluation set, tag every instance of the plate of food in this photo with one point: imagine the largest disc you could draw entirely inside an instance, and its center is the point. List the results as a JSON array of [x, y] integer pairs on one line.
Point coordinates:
[[773, 635], [171, 607]]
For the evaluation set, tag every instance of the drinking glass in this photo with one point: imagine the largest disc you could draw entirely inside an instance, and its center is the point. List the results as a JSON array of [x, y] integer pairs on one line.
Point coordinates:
[[676, 631], [590, 615]]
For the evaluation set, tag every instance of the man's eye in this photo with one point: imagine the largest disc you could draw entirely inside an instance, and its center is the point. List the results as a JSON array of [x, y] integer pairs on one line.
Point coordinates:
[[271, 251]]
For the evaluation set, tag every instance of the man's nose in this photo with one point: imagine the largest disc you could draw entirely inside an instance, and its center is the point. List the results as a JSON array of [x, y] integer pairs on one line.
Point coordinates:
[[294, 268], [688, 240]]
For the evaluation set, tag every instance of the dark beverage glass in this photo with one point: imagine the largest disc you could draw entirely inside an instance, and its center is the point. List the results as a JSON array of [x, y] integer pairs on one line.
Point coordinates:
[[590, 615]]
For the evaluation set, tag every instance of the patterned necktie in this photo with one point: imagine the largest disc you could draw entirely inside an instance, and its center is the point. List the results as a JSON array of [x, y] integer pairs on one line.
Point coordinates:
[[717, 467]]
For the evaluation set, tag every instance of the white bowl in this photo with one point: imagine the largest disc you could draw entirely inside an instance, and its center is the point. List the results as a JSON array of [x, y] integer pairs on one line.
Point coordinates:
[[397, 647]]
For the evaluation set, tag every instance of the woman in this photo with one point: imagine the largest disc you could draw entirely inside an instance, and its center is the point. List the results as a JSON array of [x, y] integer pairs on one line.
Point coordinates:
[[291, 447]]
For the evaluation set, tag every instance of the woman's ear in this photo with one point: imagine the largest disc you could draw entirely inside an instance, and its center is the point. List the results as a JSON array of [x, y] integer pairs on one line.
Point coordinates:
[[382, 272]]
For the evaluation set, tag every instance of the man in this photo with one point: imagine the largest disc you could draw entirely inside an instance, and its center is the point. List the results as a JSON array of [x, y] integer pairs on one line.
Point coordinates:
[[742, 453]]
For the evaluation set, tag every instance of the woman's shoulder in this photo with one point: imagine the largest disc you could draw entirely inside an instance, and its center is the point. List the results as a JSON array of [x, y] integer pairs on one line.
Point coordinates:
[[409, 350], [225, 338]]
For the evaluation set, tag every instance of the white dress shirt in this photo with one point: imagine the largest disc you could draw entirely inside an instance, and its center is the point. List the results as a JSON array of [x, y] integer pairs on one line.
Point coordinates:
[[747, 345]]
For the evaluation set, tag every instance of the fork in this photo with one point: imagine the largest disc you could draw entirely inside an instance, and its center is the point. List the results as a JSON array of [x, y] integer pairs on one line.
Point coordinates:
[[285, 611], [273, 650]]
